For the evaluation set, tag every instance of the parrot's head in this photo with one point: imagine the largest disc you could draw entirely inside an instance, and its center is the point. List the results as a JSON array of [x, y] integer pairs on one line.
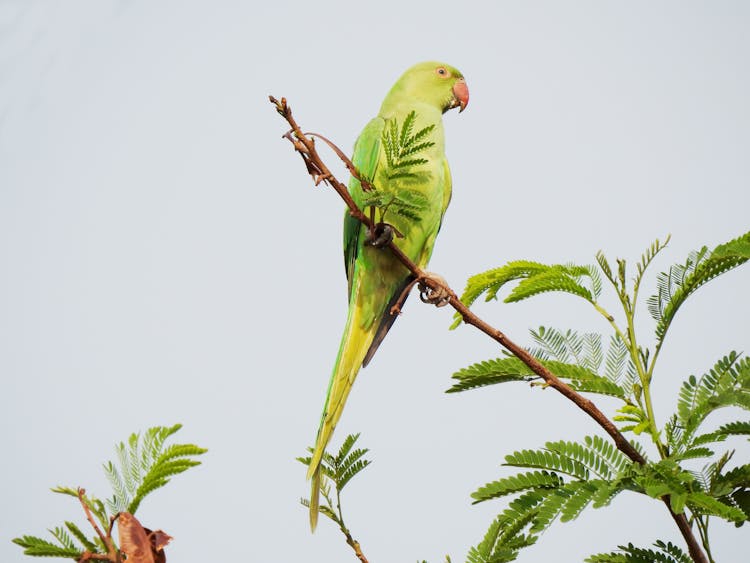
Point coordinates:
[[436, 83]]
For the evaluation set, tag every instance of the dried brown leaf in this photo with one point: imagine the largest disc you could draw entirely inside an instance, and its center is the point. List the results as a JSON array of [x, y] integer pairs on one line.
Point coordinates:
[[134, 541]]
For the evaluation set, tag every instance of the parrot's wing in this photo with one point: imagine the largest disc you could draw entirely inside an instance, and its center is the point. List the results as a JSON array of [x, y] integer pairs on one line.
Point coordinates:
[[365, 159], [386, 322], [399, 297]]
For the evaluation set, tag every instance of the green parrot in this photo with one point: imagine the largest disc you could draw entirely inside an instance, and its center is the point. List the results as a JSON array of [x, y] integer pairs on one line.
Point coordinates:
[[402, 153]]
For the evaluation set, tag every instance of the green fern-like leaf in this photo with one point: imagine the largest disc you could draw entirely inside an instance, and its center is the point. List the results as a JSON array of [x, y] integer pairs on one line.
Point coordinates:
[[606, 268], [638, 419], [63, 537], [666, 477], [665, 553], [404, 166], [553, 505], [407, 127], [351, 468], [413, 199], [580, 499], [533, 480], [533, 278], [159, 475], [136, 458], [646, 259], [696, 452], [347, 463], [345, 448], [735, 429], [37, 547], [338, 470], [351, 471], [121, 496], [607, 491], [505, 536], [81, 537], [493, 280], [738, 477], [376, 198], [482, 552], [676, 285], [738, 428], [401, 146], [133, 468], [702, 503], [409, 163], [503, 370], [586, 351], [618, 365], [726, 384], [599, 456], [550, 460], [146, 465], [599, 386], [592, 352], [556, 278], [562, 346], [490, 372]]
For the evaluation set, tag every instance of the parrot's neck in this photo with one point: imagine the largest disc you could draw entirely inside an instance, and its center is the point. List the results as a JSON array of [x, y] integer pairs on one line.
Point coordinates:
[[400, 102]]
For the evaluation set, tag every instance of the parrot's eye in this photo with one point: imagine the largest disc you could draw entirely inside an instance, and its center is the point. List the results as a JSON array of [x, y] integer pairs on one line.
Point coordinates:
[[441, 71]]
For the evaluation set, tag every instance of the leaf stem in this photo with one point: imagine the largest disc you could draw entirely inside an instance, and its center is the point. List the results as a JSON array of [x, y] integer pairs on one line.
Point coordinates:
[[702, 525], [646, 387], [644, 372]]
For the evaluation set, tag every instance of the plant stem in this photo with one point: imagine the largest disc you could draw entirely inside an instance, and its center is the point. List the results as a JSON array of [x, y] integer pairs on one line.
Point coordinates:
[[702, 525], [645, 383], [644, 371], [354, 544], [112, 553]]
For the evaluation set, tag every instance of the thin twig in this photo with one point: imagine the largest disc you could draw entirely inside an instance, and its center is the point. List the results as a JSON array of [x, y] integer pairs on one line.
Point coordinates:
[[320, 173], [111, 554], [355, 546]]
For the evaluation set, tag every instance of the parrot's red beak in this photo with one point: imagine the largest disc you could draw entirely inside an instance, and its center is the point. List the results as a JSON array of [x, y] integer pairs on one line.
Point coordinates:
[[460, 94]]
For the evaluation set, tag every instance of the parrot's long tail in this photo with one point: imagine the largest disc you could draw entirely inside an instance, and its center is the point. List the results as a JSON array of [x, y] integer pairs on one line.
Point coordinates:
[[358, 335]]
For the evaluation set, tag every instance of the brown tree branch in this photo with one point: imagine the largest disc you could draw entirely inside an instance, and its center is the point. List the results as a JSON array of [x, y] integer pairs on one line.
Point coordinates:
[[355, 546], [436, 290]]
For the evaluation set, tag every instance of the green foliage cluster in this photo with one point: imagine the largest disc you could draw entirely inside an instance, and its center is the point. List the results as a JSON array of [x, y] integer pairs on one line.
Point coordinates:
[[337, 471], [563, 478], [403, 148], [144, 464]]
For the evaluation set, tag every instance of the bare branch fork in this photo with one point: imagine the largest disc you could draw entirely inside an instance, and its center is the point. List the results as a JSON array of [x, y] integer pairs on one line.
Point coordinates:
[[112, 554], [435, 290]]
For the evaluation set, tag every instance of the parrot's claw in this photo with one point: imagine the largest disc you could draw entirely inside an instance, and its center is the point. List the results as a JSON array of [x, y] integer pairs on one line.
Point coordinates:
[[438, 295], [381, 235]]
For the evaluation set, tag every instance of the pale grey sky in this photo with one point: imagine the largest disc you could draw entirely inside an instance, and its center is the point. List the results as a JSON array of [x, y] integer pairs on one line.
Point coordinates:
[[166, 259]]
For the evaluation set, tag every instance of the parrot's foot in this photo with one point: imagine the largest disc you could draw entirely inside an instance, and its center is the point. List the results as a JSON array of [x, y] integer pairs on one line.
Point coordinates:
[[396, 308], [381, 235], [439, 295]]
